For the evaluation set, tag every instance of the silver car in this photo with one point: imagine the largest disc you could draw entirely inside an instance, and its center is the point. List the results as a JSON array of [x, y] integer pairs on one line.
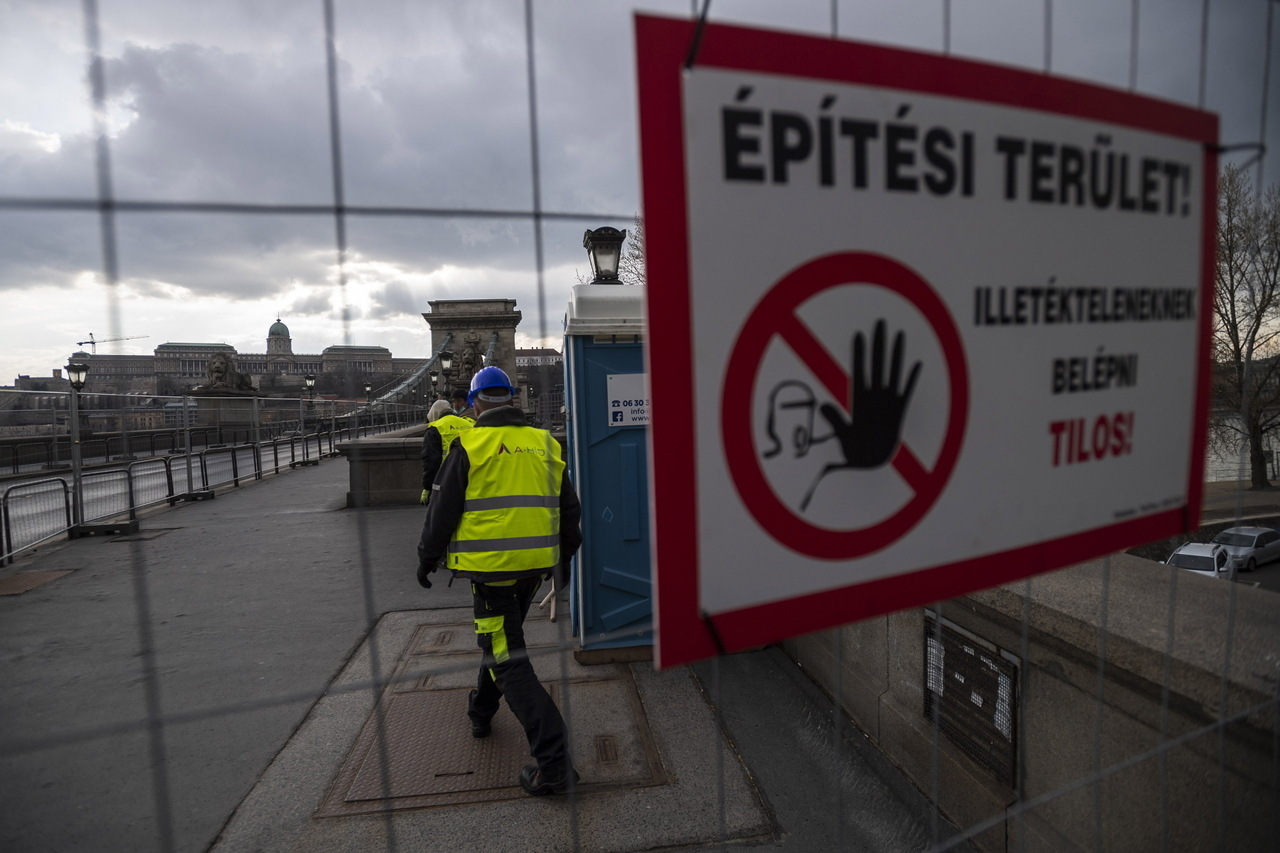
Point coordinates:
[[1249, 547]]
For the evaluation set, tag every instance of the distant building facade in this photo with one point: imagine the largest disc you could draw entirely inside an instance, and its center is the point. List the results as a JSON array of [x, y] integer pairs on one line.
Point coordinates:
[[477, 332], [540, 377], [176, 366]]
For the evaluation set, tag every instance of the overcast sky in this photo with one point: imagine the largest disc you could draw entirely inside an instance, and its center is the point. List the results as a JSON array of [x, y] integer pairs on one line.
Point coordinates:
[[228, 102]]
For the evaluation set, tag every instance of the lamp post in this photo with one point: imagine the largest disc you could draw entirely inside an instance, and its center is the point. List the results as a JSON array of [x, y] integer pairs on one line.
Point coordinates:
[[446, 367], [435, 385], [310, 381], [604, 249], [77, 373], [368, 398]]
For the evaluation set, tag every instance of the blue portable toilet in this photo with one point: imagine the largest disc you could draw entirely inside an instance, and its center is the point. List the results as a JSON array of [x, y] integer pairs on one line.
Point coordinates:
[[606, 425]]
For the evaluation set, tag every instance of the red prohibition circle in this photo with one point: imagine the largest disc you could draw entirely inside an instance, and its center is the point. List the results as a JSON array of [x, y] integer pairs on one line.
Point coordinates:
[[775, 313]]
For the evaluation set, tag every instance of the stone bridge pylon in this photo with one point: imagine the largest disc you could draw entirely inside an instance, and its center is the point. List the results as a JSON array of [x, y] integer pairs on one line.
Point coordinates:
[[483, 332]]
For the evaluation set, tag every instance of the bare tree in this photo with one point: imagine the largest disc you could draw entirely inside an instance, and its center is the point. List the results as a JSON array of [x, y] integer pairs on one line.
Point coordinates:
[[631, 264], [1246, 331]]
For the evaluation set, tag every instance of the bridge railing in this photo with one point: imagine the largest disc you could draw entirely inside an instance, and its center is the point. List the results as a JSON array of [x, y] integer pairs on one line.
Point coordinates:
[[37, 511]]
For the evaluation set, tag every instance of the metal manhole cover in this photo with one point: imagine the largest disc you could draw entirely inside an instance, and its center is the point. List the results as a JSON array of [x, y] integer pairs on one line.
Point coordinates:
[[419, 751], [430, 750]]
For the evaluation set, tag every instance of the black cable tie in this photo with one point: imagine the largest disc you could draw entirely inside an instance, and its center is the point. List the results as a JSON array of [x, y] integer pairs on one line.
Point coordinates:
[[696, 43], [715, 635]]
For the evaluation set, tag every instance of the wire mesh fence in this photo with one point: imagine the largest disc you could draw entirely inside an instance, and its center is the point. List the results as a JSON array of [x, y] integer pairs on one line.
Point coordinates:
[[1115, 705]]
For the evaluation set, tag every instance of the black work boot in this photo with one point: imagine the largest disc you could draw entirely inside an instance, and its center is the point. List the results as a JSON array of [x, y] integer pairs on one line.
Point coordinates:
[[533, 782], [479, 728]]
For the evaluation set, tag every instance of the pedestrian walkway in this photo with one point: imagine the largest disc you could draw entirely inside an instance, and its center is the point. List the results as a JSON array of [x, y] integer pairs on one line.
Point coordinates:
[[1234, 501], [219, 680]]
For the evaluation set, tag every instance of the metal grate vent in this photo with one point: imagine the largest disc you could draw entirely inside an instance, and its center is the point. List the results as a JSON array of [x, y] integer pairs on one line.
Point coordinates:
[[972, 686]]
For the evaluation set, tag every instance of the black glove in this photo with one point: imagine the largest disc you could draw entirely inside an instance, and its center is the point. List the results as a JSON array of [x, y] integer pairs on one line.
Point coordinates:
[[562, 575], [423, 571]]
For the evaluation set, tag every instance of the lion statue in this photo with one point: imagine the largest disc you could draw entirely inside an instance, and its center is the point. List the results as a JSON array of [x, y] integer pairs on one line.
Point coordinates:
[[223, 376]]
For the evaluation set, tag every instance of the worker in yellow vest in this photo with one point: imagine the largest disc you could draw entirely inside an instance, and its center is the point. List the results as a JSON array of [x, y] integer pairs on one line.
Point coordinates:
[[443, 426], [505, 516]]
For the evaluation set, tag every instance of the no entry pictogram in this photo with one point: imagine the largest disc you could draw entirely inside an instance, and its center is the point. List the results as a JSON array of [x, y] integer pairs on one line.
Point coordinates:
[[776, 316]]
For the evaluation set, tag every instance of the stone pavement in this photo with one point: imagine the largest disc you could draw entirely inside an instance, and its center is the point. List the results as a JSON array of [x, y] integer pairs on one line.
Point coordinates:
[[210, 684]]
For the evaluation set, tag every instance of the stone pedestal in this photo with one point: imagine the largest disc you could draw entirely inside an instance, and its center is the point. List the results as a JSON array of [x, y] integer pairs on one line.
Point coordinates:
[[385, 470]]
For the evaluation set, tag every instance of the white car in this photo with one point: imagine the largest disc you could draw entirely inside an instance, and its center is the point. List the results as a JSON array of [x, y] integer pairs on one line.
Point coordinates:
[[1202, 558], [1249, 547]]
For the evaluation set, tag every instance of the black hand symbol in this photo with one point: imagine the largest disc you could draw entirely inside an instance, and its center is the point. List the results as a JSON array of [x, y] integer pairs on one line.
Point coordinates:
[[871, 435]]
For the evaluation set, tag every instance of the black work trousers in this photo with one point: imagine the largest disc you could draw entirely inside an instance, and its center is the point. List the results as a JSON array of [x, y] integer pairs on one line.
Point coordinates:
[[506, 671]]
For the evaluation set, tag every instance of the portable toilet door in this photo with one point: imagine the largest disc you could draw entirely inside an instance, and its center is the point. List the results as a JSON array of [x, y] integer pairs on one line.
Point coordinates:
[[607, 416]]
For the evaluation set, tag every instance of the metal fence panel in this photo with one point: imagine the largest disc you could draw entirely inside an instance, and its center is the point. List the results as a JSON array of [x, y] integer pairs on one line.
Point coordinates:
[[34, 512], [106, 494]]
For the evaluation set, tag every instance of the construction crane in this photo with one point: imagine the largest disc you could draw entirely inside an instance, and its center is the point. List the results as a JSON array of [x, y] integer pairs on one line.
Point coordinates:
[[94, 344]]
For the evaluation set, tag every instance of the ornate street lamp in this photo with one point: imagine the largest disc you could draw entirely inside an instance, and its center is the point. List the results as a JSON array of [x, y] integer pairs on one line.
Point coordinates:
[[77, 373], [435, 384], [446, 367], [604, 249], [310, 382], [368, 391]]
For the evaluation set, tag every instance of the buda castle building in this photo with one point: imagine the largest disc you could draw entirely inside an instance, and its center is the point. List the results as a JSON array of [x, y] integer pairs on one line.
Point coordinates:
[[175, 367]]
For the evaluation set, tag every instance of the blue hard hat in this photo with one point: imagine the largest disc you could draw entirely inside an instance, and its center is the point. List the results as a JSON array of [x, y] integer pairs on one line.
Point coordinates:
[[490, 380]]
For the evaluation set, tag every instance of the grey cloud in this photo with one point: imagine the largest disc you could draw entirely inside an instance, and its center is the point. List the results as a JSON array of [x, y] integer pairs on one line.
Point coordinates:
[[395, 299], [231, 105], [215, 126], [315, 302]]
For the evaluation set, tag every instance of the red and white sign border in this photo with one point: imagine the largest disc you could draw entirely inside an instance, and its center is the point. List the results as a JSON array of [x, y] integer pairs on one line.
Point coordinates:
[[683, 633]]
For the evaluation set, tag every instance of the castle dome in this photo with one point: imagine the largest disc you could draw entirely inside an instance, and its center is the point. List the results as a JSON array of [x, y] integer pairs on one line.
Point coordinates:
[[278, 330]]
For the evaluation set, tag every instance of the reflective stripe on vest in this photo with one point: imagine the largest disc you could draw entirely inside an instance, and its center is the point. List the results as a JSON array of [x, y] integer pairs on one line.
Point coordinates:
[[449, 427], [511, 511]]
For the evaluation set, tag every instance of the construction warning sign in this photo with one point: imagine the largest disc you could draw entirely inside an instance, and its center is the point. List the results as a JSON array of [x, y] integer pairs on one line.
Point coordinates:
[[917, 326]]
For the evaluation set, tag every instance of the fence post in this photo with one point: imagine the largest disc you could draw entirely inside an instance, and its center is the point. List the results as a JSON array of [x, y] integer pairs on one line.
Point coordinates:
[[186, 423], [168, 481], [128, 477]]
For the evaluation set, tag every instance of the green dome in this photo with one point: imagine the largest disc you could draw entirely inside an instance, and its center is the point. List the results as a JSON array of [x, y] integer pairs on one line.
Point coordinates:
[[278, 329]]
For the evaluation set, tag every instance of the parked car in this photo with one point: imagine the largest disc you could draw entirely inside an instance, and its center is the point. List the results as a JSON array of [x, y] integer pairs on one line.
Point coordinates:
[[1200, 557], [1249, 547]]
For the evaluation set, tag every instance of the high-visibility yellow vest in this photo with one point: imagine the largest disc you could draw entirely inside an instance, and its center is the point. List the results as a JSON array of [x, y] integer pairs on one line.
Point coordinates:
[[511, 512], [449, 426]]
